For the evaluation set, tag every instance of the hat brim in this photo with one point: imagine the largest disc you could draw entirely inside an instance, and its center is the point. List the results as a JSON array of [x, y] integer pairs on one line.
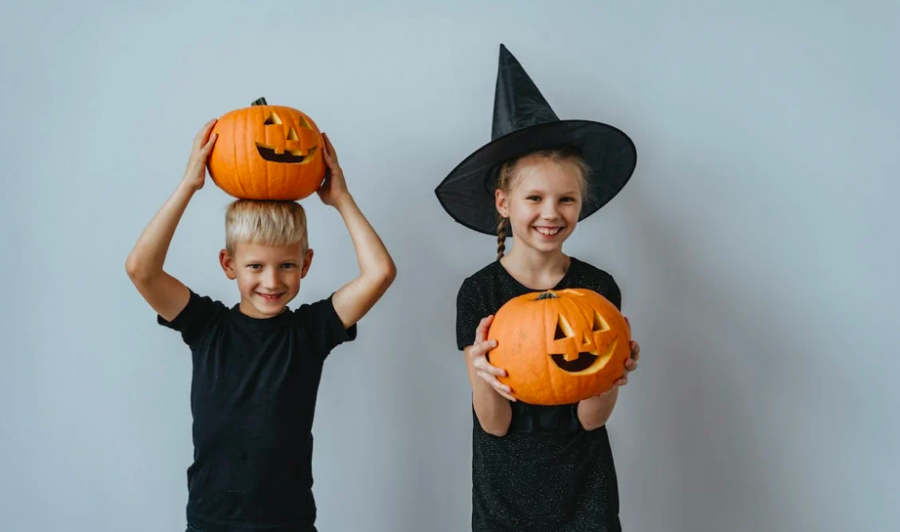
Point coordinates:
[[467, 193]]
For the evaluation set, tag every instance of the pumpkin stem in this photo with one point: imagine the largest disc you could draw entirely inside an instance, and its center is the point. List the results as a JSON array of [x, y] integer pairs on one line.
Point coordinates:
[[259, 101], [547, 295]]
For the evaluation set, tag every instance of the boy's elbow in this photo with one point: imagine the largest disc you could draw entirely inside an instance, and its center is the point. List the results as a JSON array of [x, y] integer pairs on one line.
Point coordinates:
[[137, 271], [133, 268], [390, 273], [386, 275]]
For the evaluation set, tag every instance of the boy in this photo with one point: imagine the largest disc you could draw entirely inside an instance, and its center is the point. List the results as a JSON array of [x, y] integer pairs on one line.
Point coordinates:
[[256, 366]]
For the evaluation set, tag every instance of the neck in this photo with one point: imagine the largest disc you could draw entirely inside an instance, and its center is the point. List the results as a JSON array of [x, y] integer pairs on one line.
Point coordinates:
[[535, 263]]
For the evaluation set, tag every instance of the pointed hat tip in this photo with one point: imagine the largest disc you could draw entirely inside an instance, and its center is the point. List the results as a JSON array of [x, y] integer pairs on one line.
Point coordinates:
[[506, 57]]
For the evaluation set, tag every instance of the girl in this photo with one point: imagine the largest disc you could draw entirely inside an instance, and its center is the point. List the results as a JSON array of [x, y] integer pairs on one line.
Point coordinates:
[[535, 468]]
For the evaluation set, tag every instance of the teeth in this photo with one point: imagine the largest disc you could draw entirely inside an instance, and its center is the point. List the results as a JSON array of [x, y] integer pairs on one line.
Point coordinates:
[[547, 231]]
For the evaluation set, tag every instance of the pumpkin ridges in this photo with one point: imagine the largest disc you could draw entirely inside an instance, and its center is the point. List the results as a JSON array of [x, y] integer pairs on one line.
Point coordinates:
[[260, 167], [240, 130]]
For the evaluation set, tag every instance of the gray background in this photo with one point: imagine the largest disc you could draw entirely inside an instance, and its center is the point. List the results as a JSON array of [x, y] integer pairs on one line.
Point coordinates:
[[755, 247]]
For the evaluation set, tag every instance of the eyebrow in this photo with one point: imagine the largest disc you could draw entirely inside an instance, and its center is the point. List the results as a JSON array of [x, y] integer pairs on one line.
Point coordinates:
[[567, 193]]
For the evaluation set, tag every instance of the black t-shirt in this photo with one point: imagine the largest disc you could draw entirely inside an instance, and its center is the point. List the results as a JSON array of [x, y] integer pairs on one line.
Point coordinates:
[[253, 396], [547, 473]]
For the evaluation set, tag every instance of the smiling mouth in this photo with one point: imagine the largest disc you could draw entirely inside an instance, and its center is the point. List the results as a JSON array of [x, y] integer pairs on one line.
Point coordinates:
[[289, 156], [270, 296], [548, 231], [586, 363]]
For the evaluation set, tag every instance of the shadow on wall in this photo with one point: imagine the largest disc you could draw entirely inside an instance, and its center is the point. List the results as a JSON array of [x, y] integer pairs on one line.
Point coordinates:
[[713, 345]]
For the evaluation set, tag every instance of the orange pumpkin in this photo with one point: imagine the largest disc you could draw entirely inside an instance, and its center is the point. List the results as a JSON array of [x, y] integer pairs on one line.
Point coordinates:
[[267, 152], [560, 347]]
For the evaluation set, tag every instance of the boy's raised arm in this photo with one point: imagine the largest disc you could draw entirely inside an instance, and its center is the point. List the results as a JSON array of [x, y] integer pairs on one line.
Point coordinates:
[[166, 294], [377, 271]]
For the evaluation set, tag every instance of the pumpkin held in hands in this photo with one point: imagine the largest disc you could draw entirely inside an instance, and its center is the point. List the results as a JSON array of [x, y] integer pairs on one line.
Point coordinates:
[[561, 346], [267, 152]]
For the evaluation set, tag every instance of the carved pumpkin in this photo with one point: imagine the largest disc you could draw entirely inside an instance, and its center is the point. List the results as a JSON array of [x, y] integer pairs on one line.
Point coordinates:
[[267, 152], [560, 347]]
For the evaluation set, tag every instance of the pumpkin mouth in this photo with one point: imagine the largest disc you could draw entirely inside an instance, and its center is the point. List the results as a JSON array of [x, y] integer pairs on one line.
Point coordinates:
[[586, 363], [289, 156]]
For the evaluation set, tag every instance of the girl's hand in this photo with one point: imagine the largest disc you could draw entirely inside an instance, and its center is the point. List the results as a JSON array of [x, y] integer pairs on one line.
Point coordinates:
[[483, 368], [630, 364], [195, 174], [334, 187]]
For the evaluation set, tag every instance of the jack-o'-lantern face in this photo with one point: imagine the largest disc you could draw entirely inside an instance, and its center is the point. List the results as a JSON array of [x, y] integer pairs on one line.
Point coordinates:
[[560, 347], [267, 152], [581, 344], [282, 144]]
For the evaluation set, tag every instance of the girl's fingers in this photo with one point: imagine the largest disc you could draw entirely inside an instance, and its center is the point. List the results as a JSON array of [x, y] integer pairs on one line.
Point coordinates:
[[506, 396], [481, 363], [481, 331], [498, 386]]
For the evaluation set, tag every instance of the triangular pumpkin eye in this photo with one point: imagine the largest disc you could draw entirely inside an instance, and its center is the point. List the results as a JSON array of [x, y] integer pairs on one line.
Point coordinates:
[[599, 323], [292, 135], [563, 329], [301, 121], [272, 120]]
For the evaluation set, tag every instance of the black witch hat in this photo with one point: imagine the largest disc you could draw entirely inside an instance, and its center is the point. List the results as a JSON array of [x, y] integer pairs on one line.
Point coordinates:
[[525, 123]]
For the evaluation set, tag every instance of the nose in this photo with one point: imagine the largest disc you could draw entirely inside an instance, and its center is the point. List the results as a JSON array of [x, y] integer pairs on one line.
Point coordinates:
[[549, 211], [270, 279]]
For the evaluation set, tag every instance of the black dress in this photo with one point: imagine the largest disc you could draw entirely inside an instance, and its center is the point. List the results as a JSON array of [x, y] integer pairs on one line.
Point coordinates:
[[547, 473]]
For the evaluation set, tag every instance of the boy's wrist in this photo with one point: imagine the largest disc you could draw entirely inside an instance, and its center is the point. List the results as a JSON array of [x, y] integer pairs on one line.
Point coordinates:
[[186, 188], [343, 201]]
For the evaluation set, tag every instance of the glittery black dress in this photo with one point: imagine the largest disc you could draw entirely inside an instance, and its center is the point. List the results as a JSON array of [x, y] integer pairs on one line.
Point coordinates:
[[548, 473]]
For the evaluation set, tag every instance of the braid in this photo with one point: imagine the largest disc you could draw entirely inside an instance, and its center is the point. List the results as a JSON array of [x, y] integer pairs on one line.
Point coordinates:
[[502, 228]]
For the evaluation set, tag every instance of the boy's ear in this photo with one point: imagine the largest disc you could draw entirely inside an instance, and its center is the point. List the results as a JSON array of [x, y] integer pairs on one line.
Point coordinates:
[[307, 262], [227, 262], [500, 201]]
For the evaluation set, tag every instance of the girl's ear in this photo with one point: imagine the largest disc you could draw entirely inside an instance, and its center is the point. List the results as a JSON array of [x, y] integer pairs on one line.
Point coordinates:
[[501, 201]]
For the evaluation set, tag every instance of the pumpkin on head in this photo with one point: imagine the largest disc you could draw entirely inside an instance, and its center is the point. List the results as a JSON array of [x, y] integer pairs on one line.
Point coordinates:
[[561, 346], [267, 152]]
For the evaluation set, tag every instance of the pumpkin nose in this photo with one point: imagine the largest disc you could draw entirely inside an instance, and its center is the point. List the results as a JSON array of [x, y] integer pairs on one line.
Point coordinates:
[[586, 340]]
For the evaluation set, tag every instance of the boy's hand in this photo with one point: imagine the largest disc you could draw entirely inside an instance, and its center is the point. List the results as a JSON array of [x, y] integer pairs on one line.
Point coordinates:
[[195, 174], [334, 187], [483, 368]]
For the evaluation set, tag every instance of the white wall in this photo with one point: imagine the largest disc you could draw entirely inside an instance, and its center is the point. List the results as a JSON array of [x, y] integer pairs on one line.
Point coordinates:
[[755, 247]]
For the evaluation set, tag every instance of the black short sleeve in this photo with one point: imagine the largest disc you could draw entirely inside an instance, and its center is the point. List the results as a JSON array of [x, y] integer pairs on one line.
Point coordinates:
[[196, 319], [471, 308], [323, 327], [613, 293]]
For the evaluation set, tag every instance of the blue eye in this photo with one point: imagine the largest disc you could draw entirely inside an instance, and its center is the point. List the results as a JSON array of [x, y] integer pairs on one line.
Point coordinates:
[[254, 266], [288, 265], [533, 198]]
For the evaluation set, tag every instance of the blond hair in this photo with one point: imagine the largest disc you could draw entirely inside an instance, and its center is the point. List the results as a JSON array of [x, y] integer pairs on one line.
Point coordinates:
[[270, 223], [507, 178]]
